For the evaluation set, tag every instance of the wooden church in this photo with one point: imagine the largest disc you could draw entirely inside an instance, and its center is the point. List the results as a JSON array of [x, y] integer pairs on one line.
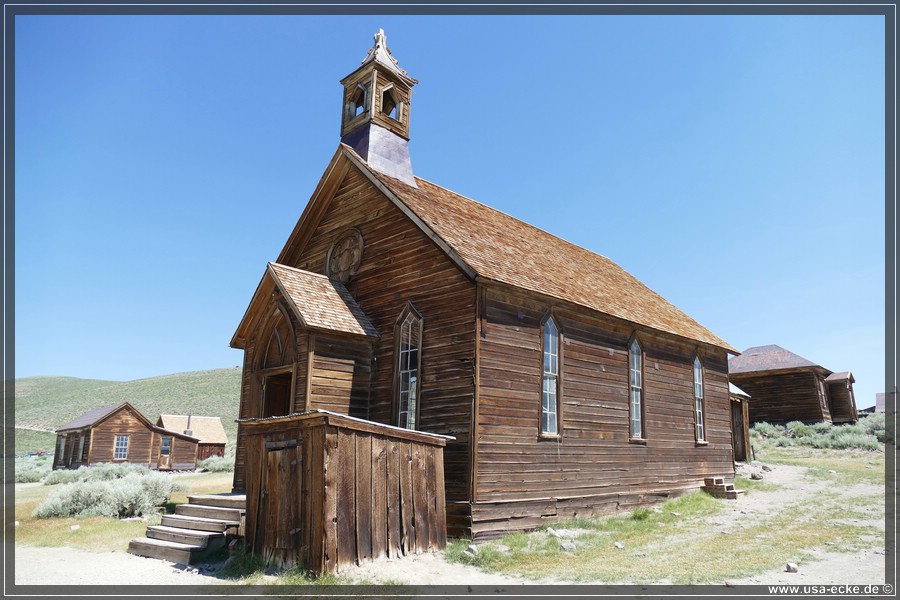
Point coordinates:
[[555, 383]]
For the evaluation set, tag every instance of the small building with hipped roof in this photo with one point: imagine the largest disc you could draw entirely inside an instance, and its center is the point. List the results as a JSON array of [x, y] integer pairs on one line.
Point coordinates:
[[785, 387]]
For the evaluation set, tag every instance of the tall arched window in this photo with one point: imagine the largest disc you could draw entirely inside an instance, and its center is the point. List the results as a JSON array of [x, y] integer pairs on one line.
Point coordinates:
[[636, 370], [699, 427], [550, 385], [409, 363]]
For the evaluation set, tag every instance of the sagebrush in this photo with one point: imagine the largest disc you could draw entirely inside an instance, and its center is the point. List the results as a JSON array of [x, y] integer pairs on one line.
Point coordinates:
[[133, 495]]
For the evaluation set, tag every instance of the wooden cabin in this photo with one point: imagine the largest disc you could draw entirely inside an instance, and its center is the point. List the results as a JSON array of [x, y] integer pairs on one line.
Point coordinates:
[[787, 387], [121, 434], [568, 386], [208, 430]]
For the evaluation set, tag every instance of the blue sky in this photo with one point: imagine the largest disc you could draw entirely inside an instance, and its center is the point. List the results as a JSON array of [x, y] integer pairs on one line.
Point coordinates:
[[734, 164]]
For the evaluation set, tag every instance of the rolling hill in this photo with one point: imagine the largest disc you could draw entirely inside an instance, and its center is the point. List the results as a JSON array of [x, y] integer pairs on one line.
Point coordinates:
[[45, 403]]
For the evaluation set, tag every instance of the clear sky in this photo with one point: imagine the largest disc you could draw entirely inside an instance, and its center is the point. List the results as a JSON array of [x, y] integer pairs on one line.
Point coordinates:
[[734, 164]]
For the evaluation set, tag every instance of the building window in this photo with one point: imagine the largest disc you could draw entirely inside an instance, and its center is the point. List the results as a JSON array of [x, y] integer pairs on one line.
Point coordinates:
[[121, 448], [80, 455], [409, 356], [550, 389], [636, 370], [700, 430], [357, 103], [166, 447]]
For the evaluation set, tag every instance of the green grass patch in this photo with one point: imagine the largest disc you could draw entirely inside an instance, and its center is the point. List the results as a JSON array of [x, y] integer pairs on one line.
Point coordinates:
[[748, 486]]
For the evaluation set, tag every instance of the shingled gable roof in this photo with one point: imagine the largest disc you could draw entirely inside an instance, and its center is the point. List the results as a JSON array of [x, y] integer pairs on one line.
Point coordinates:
[[317, 301], [208, 430], [768, 358], [488, 244], [92, 417]]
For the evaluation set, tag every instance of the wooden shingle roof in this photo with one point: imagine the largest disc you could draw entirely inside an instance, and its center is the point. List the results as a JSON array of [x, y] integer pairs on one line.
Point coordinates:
[[208, 430], [495, 246], [317, 301], [320, 302], [91, 417], [767, 358]]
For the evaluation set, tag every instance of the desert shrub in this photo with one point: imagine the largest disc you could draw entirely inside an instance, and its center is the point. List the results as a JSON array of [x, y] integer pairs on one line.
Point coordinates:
[[129, 496], [767, 430], [216, 464], [101, 472], [874, 425], [31, 471]]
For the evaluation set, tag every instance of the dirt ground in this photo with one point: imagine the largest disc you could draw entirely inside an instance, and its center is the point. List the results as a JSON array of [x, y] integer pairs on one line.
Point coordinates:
[[68, 566]]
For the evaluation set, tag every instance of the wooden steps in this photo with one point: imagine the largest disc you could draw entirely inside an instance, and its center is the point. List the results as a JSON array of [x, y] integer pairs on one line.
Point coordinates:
[[197, 528], [717, 487]]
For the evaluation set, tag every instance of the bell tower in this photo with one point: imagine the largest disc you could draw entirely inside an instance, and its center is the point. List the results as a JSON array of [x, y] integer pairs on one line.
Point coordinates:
[[375, 116]]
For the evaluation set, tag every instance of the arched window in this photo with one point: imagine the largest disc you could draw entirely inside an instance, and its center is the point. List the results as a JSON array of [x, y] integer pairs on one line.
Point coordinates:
[[636, 371], [550, 385], [699, 427], [409, 363]]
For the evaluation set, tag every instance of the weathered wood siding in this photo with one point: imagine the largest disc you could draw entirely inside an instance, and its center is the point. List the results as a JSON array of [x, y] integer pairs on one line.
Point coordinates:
[[331, 492], [842, 405], [140, 440], [523, 479], [204, 451], [340, 376], [400, 265], [740, 428], [781, 397]]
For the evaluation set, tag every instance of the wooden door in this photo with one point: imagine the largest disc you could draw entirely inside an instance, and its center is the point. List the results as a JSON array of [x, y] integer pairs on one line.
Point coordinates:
[[165, 453], [739, 441], [278, 529]]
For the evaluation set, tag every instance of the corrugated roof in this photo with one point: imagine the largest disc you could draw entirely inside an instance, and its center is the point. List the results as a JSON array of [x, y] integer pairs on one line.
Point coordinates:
[[502, 248], [767, 358], [320, 302], [91, 417], [208, 430]]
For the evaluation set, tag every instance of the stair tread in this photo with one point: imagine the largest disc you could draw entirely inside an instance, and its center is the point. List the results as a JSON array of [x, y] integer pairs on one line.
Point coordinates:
[[201, 519], [166, 544], [185, 531]]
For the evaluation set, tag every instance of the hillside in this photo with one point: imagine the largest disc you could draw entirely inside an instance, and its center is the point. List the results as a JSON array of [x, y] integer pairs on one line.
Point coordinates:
[[46, 403]]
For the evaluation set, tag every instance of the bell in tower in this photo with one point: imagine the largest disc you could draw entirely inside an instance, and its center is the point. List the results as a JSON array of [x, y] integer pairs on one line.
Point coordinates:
[[375, 119]]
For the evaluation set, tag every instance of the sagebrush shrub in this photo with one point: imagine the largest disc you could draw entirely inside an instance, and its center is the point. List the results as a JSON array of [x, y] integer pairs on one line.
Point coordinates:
[[216, 464], [31, 471], [133, 495]]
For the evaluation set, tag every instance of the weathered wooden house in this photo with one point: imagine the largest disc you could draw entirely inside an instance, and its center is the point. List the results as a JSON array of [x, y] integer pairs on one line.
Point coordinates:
[[209, 432], [568, 387], [120, 434], [786, 387]]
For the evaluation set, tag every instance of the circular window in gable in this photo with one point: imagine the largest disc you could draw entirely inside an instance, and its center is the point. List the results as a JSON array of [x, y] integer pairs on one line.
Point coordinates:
[[345, 256]]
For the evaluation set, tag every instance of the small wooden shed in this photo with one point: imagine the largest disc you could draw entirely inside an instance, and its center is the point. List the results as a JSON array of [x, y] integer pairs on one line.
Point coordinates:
[[121, 434], [208, 430], [331, 490]]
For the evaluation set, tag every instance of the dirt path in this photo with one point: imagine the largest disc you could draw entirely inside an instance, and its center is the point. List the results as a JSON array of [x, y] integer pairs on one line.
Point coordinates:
[[68, 566]]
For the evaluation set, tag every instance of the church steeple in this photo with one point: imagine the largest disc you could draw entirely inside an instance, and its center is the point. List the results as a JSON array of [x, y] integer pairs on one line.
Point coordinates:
[[375, 116]]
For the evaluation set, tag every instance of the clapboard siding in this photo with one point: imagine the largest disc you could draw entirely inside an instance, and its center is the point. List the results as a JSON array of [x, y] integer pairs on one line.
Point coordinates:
[[340, 377], [400, 265], [592, 456], [780, 397]]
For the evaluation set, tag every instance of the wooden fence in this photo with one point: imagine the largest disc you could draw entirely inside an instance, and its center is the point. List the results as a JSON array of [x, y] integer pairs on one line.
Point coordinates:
[[325, 490]]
